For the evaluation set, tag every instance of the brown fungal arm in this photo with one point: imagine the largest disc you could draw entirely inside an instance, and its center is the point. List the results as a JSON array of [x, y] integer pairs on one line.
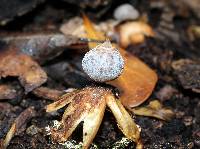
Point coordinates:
[[126, 123], [61, 102]]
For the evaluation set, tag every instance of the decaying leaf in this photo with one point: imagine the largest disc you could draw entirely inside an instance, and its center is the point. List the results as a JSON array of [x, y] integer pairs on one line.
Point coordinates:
[[128, 33], [134, 32], [21, 120], [29, 73], [137, 80], [88, 105], [154, 109], [47, 93], [75, 27], [7, 92]]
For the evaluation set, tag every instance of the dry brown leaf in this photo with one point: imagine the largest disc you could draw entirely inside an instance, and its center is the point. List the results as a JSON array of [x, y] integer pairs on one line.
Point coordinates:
[[76, 28], [92, 32], [7, 92], [21, 120], [137, 80], [134, 32], [154, 109], [29, 73]]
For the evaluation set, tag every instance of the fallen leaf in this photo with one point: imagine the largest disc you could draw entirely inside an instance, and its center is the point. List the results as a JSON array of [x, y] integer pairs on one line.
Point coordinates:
[[76, 28], [29, 73], [137, 81], [73, 26], [21, 120], [154, 109], [92, 32], [133, 32]]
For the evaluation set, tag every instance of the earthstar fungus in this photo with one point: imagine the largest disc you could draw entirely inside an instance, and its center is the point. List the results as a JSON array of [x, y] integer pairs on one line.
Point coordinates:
[[88, 105]]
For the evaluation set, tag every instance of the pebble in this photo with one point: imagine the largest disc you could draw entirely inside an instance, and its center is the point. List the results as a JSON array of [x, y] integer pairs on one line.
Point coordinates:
[[126, 12]]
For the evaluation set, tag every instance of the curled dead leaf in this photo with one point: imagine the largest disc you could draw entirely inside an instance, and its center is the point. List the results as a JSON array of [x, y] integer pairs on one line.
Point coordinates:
[[29, 73], [154, 109], [134, 32]]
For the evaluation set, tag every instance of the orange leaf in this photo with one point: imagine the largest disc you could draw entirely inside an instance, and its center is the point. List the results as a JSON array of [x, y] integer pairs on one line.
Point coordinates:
[[92, 32], [134, 32], [137, 80]]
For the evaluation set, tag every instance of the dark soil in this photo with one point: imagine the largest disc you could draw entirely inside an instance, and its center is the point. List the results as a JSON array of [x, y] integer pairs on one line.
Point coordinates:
[[181, 132]]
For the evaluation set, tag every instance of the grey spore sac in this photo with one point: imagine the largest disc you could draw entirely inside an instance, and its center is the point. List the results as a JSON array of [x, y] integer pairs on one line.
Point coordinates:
[[103, 63]]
